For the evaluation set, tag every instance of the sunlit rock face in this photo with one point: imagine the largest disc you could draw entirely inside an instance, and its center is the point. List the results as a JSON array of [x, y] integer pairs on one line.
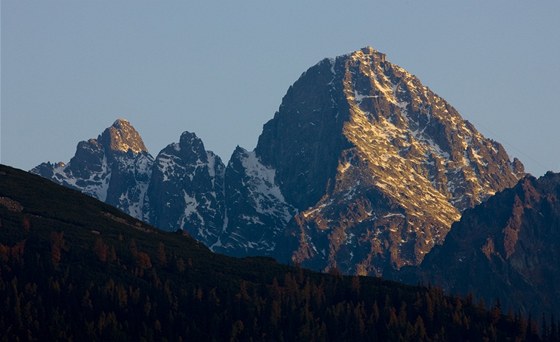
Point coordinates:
[[377, 165], [115, 168]]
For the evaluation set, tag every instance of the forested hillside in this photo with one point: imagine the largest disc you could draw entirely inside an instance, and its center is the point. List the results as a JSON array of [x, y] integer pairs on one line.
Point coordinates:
[[74, 268]]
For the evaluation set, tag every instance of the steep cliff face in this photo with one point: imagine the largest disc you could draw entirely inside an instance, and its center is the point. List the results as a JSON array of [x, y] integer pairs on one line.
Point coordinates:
[[304, 139], [507, 248], [115, 168], [186, 190], [377, 164], [256, 209]]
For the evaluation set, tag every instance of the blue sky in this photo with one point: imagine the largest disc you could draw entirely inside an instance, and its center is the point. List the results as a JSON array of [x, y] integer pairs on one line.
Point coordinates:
[[220, 69]]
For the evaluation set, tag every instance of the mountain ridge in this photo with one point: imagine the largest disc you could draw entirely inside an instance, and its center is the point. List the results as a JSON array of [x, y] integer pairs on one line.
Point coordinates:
[[362, 168]]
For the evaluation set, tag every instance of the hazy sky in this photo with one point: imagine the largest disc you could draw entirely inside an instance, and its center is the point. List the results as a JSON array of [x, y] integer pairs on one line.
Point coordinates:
[[221, 68]]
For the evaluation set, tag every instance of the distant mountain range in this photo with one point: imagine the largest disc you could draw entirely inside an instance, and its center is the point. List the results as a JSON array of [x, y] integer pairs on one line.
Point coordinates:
[[362, 169]]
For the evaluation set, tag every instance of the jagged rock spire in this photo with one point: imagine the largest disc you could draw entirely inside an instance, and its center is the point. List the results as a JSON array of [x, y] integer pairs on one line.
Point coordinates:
[[122, 136], [104, 168]]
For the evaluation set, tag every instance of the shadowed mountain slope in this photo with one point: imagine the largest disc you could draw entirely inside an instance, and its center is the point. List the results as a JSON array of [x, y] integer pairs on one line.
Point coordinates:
[[507, 248]]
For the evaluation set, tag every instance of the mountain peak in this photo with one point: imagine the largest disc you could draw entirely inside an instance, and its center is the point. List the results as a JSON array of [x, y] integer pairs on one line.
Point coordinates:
[[122, 136], [368, 50], [188, 137], [115, 168], [120, 121], [377, 164]]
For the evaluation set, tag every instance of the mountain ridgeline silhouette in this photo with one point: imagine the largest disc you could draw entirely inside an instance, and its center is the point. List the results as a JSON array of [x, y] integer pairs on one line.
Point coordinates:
[[363, 169]]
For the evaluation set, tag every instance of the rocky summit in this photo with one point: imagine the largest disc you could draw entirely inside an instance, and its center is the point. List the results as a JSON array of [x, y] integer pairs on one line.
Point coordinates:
[[362, 169], [182, 188], [377, 165], [186, 190], [115, 168]]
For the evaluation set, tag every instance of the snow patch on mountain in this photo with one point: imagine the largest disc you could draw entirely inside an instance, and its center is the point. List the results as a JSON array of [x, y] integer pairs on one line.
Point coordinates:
[[263, 187], [257, 210], [95, 185], [186, 190], [137, 170]]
